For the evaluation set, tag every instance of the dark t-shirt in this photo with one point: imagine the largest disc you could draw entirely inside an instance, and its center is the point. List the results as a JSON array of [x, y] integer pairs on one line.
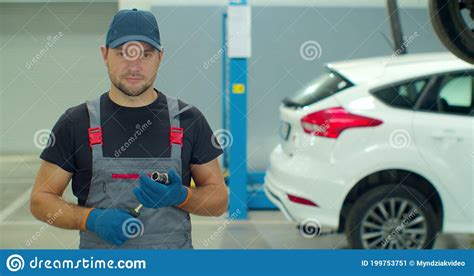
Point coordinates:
[[70, 148]]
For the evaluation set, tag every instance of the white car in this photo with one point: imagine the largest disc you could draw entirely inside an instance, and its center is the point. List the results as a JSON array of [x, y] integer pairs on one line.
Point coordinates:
[[381, 149]]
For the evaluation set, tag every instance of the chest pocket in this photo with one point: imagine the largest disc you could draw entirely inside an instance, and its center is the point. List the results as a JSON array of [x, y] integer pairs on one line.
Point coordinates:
[[118, 188]]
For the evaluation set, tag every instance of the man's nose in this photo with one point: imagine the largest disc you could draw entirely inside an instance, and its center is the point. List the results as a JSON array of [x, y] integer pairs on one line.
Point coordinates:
[[134, 65]]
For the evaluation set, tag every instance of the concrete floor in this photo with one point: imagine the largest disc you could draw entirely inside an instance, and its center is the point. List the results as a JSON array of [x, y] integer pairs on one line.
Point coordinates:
[[263, 230]]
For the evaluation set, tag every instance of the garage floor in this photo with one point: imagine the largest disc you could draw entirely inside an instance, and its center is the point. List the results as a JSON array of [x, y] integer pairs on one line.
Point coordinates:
[[264, 229]]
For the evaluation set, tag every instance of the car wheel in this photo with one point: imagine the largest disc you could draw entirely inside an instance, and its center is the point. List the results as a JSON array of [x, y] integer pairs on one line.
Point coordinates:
[[451, 22], [391, 217]]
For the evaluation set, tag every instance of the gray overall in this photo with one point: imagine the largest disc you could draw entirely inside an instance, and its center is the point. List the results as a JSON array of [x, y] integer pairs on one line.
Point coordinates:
[[167, 227]]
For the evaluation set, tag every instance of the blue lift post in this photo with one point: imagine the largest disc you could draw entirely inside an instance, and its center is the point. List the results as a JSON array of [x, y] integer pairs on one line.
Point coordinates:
[[224, 86], [245, 187], [237, 112]]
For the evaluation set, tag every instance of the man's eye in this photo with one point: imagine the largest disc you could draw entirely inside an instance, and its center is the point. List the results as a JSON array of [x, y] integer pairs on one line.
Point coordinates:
[[146, 55]]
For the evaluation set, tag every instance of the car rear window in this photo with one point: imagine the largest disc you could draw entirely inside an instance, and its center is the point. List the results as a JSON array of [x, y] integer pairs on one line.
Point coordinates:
[[320, 88]]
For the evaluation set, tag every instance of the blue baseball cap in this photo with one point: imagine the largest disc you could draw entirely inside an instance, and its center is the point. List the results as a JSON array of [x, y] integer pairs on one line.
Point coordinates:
[[133, 25]]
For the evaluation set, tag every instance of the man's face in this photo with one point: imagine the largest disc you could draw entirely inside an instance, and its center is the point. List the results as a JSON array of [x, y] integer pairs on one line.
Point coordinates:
[[132, 66]]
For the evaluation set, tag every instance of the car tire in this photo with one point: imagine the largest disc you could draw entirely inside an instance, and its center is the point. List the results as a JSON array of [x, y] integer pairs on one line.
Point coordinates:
[[451, 29], [391, 217]]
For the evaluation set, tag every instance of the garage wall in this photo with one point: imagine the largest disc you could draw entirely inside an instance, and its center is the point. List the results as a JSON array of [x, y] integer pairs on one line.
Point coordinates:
[[71, 70], [49, 61]]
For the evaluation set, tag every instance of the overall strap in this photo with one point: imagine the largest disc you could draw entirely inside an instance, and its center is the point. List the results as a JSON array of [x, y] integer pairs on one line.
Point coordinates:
[[176, 132], [95, 130]]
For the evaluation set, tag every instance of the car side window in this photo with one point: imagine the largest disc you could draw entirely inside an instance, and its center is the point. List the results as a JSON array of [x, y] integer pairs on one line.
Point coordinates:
[[402, 95], [452, 94], [456, 95]]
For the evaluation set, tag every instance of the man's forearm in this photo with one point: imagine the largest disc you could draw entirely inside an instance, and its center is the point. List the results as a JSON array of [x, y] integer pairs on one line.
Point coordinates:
[[209, 200], [54, 210]]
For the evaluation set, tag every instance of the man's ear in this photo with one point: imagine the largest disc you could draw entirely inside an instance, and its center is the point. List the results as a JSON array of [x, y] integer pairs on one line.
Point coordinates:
[[161, 54], [104, 50]]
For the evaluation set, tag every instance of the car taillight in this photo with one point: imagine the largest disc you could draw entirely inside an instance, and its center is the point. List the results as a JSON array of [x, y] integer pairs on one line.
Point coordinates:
[[300, 200], [332, 121]]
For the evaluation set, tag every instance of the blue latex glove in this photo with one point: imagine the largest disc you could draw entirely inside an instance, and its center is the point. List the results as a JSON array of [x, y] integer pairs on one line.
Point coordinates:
[[155, 195], [111, 224]]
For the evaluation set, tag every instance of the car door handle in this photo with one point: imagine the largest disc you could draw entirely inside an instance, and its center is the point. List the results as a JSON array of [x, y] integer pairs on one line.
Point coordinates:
[[447, 134]]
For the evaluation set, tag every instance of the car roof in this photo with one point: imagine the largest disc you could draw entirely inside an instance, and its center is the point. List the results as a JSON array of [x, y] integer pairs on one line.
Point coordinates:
[[377, 71]]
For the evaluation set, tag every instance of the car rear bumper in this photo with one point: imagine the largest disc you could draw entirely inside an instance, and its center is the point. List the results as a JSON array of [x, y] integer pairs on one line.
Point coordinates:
[[282, 179]]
